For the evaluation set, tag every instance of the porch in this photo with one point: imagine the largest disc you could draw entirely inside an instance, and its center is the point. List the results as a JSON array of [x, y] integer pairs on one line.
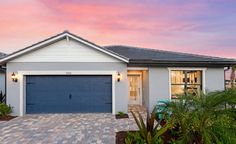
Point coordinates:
[[137, 108]]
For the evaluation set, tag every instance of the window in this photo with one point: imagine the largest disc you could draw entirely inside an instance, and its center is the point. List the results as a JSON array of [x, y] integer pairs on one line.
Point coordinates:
[[185, 81]]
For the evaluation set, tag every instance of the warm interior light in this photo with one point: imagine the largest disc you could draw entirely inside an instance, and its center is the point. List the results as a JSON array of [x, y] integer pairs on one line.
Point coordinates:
[[118, 76], [14, 77]]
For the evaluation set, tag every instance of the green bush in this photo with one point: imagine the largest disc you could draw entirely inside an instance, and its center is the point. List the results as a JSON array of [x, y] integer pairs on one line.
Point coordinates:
[[151, 132], [121, 114], [205, 118], [5, 110], [134, 137]]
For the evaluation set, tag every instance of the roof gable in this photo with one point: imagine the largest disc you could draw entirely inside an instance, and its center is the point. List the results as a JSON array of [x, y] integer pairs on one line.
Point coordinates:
[[66, 51], [62, 36]]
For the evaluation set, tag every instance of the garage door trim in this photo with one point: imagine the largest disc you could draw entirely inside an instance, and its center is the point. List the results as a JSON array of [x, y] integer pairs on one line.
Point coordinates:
[[22, 81]]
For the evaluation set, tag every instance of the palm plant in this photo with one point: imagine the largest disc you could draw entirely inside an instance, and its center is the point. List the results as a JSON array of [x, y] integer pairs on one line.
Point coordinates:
[[152, 131], [5, 110], [204, 118]]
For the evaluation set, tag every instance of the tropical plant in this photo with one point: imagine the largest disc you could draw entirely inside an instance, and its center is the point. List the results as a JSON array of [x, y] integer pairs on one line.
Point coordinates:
[[152, 131], [121, 114], [134, 137], [5, 110], [204, 119], [232, 76]]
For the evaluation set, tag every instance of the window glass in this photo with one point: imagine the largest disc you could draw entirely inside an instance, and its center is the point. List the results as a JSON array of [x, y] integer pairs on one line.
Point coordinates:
[[185, 81], [177, 90], [194, 77], [193, 89], [177, 77]]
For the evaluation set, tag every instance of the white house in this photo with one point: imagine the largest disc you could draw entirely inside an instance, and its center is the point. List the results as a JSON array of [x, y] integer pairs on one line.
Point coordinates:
[[68, 74]]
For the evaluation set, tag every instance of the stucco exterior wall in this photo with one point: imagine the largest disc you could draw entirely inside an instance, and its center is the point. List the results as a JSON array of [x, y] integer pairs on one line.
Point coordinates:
[[121, 88], [214, 79], [158, 85], [146, 88]]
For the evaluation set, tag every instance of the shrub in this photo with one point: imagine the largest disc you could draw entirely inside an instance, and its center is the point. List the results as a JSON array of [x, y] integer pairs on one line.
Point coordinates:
[[5, 110], [151, 132], [134, 137], [121, 114], [204, 118]]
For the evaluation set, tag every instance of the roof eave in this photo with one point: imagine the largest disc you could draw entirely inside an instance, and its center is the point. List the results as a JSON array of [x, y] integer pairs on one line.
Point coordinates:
[[181, 63]]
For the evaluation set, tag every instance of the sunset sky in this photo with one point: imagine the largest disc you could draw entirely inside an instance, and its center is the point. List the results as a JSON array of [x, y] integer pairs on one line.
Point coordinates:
[[195, 26]]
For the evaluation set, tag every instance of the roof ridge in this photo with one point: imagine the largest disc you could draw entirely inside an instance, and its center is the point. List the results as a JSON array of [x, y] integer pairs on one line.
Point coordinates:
[[180, 53]]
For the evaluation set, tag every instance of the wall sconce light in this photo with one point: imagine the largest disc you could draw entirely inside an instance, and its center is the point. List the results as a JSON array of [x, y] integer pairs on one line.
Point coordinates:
[[14, 77], [118, 77]]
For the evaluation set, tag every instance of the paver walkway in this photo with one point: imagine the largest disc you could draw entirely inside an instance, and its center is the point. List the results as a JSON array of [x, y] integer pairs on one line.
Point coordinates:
[[63, 128]]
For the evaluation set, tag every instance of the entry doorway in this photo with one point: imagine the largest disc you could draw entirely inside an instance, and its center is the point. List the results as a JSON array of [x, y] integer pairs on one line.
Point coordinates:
[[135, 88]]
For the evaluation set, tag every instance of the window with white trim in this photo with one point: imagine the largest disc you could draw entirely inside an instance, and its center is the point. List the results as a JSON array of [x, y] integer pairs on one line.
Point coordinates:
[[185, 81]]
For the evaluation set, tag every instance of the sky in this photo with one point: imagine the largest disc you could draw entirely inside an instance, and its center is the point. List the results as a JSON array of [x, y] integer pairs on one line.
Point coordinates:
[[194, 26]]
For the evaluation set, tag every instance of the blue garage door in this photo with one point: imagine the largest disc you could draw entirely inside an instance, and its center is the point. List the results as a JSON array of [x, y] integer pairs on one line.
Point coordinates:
[[68, 94]]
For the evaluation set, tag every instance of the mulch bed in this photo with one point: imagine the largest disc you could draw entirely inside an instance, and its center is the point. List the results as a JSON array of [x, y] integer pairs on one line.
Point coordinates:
[[7, 118], [121, 135], [121, 117]]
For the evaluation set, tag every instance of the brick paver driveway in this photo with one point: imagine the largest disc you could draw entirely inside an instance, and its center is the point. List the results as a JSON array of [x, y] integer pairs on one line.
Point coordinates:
[[63, 128]]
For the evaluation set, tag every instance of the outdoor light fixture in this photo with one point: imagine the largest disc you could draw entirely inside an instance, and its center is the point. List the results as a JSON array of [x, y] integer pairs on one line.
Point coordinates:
[[118, 77], [14, 77]]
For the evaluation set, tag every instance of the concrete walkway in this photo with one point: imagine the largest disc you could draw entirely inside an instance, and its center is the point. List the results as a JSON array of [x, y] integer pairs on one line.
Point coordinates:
[[64, 129]]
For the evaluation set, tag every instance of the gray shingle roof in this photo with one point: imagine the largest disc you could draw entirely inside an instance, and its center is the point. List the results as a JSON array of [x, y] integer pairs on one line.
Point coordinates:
[[138, 56], [146, 55], [2, 55], [153, 54]]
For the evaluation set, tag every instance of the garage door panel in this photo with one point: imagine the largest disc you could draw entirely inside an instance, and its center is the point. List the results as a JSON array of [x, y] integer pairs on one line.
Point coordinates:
[[68, 94]]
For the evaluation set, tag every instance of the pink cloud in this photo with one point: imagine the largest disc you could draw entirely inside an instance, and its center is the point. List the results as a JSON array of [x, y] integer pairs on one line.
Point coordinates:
[[150, 24]]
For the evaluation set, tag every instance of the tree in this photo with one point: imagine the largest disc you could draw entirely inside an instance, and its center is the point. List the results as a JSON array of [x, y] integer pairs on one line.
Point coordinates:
[[232, 76]]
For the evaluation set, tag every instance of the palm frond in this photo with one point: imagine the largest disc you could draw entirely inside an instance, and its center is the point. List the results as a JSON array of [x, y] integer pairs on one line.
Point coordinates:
[[205, 118]]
